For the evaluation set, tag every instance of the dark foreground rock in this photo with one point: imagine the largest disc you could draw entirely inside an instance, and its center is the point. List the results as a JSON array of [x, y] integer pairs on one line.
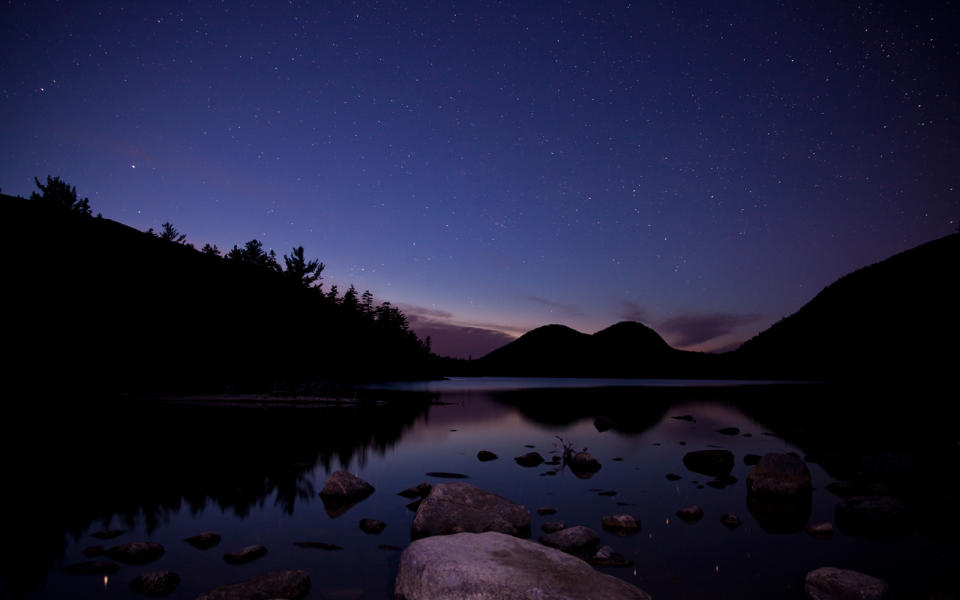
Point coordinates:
[[245, 555], [461, 507], [530, 459], [135, 553], [709, 462], [92, 567], [779, 475], [573, 540], [205, 540], [500, 567], [829, 583], [621, 524], [874, 517], [155, 583], [276, 584], [342, 491]]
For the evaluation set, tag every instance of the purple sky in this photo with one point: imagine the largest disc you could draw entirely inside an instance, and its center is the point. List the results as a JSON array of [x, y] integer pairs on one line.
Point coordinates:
[[493, 167]]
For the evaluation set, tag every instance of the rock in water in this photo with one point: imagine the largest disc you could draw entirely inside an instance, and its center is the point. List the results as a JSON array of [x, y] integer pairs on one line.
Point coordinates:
[[500, 567], [486, 455], [342, 491], [709, 462], [821, 530], [155, 583], [779, 475], [829, 583], [530, 459], [372, 525], [421, 490], [245, 555], [461, 507], [874, 517], [690, 514], [730, 521], [276, 584], [552, 526], [135, 553], [608, 557], [584, 462], [205, 540], [621, 524], [573, 540]]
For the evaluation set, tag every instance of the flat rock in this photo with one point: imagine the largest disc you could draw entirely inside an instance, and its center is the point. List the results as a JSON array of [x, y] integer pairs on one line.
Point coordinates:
[[135, 553], [486, 455], [372, 526], [530, 459], [500, 567], [245, 555], [91, 567], [621, 524], [573, 540], [829, 583], [205, 540], [276, 584], [461, 507], [709, 462], [874, 517], [421, 490], [779, 475], [690, 514], [155, 583]]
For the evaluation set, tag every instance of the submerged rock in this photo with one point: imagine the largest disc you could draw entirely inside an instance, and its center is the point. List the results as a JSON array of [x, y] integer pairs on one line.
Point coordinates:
[[690, 514], [709, 462], [372, 525], [155, 583], [499, 567], [486, 455], [829, 583], [461, 507], [874, 517], [245, 555], [276, 584], [135, 553], [621, 524], [205, 540], [779, 475], [530, 459], [573, 540]]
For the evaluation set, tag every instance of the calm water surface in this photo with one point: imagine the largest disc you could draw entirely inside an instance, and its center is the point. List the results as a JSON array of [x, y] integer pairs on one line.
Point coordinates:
[[164, 473]]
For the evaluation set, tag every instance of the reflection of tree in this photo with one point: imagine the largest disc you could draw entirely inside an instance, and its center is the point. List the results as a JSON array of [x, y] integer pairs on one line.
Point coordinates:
[[140, 466]]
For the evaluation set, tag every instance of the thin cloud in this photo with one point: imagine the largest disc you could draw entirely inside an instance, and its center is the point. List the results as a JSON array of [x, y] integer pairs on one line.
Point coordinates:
[[631, 311], [566, 309], [691, 329], [450, 338]]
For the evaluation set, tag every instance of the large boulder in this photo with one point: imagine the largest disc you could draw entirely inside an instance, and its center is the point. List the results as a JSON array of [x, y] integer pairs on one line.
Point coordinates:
[[276, 584], [779, 475], [500, 567], [135, 553], [342, 491], [461, 507], [709, 462], [829, 583], [573, 540], [874, 517]]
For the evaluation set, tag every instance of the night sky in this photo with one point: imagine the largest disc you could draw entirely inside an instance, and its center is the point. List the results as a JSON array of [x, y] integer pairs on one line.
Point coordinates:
[[492, 167]]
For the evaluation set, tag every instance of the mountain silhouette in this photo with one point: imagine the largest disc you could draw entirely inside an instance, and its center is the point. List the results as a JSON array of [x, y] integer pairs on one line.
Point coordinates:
[[893, 319]]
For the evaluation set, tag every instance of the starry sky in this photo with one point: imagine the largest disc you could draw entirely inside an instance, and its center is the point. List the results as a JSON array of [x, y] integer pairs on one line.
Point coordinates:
[[705, 168]]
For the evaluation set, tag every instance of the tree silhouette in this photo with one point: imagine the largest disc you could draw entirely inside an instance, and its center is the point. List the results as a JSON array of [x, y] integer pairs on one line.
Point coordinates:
[[253, 253], [169, 233], [300, 270], [212, 250], [349, 300], [59, 195]]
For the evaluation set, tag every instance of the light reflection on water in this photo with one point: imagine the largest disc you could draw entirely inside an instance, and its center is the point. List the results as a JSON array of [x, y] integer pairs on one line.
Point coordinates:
[[673, 559]]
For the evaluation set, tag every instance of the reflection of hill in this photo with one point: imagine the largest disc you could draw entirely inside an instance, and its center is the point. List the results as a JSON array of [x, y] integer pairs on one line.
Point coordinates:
[[135, 466]]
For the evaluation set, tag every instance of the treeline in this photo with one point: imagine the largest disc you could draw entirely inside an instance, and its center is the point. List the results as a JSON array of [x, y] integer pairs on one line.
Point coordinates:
[[113, 308]]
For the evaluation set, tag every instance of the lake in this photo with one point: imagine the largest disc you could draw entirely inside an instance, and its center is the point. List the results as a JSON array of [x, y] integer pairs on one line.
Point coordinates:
[[252, 470]]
